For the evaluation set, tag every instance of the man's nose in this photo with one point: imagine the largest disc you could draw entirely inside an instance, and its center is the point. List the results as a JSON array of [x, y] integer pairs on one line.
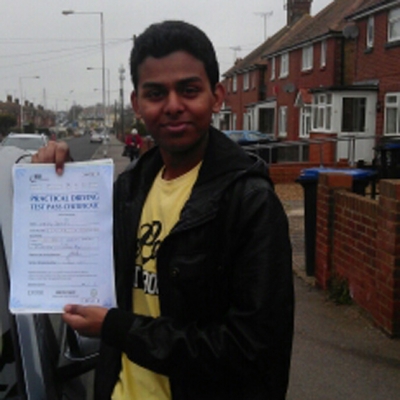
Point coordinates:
[[174, 103]]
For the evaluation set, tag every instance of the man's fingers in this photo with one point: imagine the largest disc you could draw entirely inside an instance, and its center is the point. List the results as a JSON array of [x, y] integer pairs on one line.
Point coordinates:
[[54, 152], [62, 155]]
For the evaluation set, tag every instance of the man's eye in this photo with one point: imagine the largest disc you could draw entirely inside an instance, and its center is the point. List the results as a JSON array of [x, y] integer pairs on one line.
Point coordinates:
[[154, 94], [191, 90]]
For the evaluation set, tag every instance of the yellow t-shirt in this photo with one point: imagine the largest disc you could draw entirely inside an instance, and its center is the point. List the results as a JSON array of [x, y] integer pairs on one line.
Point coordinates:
[[160, 213]]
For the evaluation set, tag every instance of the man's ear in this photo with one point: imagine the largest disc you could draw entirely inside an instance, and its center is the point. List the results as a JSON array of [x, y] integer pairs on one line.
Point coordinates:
[[135, 105], [219, 95]]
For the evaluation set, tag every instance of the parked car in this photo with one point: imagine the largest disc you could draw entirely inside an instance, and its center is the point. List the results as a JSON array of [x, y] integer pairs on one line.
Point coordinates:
[[30, 142], [246, 137], [40, 357], [96, 137], [255, 142]]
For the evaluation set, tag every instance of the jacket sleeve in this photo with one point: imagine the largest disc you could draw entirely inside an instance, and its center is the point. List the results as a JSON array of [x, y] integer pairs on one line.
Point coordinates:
[[254, 335]]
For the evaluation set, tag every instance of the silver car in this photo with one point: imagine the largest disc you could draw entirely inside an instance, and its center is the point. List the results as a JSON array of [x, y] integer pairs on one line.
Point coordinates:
[[30, 142], [40, 357]]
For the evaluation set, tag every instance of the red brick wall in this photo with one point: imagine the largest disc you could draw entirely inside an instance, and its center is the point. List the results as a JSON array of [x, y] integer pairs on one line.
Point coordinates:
[[354, 246], [322, 153], [288, 173], [380, 63], [359, 240]]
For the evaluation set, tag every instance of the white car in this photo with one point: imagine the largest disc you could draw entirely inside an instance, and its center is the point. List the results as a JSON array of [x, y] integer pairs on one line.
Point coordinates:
[[96, 138], [30, 142]]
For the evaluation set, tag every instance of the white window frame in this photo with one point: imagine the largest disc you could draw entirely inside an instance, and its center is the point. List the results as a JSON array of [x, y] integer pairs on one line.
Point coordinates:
[[392, 104], [234, 83], [234, 121], [246, 81], [282, 121], [247, 120], [322, 112], [307, 58], [394, 25], [324, 46], [370, 36], [305, 120], [284, 70], [273, 67]]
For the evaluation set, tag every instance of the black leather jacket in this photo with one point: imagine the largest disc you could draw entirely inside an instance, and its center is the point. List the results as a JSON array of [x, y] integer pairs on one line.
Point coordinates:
[[224, 278]]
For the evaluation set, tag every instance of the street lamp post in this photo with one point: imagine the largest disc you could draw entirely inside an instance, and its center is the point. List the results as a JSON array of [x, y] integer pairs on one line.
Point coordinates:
[[108, 83], [103, 78], [21, 99]]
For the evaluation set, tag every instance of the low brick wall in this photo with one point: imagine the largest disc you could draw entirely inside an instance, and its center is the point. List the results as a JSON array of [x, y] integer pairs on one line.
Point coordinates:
[[358, 239], [288, 172]]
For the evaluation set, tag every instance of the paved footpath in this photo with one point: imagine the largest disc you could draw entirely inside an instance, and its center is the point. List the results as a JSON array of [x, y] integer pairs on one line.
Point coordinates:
[[338, 354]]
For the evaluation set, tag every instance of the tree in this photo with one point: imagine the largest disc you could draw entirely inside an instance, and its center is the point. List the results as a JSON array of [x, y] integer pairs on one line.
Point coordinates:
[[6, 122]]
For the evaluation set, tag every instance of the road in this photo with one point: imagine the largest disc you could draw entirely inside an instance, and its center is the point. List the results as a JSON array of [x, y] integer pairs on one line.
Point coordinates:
[[81, 148]]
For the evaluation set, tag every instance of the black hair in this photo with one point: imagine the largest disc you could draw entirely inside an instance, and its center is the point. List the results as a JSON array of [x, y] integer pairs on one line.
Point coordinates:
[[164, 38]]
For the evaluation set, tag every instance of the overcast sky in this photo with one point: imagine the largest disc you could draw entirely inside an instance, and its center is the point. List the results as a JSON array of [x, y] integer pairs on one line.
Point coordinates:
[[37, 40]]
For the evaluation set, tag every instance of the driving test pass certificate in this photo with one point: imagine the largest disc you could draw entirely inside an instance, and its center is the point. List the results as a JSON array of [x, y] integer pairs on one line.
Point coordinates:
[[62, 237]]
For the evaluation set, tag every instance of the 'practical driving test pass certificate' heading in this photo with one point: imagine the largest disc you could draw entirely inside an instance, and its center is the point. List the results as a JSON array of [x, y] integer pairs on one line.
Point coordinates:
[[62, 237]]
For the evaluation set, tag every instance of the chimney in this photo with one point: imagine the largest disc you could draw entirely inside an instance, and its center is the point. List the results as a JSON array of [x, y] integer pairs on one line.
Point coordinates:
[[9, 98], [295, 9]]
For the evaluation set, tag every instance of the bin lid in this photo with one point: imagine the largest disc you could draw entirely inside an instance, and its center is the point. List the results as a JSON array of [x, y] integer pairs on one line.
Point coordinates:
[[391, 145], [356, 173]]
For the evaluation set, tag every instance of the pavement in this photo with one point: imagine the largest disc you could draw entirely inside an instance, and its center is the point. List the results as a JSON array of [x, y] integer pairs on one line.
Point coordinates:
[[337, 353]]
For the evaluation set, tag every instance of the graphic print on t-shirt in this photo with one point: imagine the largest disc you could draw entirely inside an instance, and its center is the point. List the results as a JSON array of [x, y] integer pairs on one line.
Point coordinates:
[[148, 243]]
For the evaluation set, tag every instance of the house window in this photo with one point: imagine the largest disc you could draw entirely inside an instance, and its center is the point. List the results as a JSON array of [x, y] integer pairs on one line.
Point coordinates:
[[370, 32], [247, 120], [307, 58], [305, 121], [392, 114], [272, 68], [282, 122], [394, 25], [253, 79], [246, 81], [353, 116], [234, 84], [267, 120], [323, 53], [322, 112], [284, 65], [234, 119]]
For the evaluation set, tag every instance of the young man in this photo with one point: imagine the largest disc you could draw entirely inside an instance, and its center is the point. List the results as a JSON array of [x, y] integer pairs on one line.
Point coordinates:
[[202, 250]]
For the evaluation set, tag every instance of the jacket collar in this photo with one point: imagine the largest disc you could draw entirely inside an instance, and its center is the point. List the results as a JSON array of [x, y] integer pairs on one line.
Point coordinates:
[[224, 163]]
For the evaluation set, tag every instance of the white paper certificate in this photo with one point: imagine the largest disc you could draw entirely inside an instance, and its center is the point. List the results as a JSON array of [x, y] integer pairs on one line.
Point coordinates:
[[62, 237]]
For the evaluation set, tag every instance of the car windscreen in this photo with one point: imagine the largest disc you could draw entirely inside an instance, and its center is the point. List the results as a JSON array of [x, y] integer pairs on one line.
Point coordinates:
[[255, 136], [24, 143]]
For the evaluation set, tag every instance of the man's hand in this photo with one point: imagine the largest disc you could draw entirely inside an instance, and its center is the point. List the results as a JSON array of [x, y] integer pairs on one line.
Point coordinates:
[[87, 320], [54, 152]]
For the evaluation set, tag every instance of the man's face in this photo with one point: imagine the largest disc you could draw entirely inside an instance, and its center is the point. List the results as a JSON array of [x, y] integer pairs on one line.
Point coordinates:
[[176, 102]]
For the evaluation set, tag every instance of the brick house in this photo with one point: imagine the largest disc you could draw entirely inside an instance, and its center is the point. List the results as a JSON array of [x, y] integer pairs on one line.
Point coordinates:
[[307, 82], [317, 95], [377, 52], [248, 103], [38, 116]]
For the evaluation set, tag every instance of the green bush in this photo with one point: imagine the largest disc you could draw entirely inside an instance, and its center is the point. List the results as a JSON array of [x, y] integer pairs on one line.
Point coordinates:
[[339, 292]]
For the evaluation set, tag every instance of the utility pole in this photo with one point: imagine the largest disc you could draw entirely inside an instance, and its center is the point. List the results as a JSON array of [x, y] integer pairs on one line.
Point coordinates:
[[121, 92], [265, 15]]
